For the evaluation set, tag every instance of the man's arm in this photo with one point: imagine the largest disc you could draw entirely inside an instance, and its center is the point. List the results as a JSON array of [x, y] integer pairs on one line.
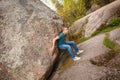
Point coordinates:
[[53, 44], [54, 41]]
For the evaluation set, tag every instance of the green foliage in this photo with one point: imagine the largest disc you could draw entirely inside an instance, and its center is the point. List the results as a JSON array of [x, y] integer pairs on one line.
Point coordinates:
[[107, 29], [115, 23], [83, 39], [109, 43], [72, 10]]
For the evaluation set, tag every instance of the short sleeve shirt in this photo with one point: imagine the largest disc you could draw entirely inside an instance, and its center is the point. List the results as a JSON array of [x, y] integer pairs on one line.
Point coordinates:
[[62, 38]]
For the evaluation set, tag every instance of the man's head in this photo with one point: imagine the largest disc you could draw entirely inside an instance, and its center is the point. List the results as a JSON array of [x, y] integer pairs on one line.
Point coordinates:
[[64, 30]]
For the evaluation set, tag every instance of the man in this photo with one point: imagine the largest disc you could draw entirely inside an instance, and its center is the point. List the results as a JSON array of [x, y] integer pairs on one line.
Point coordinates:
[[62, 44]]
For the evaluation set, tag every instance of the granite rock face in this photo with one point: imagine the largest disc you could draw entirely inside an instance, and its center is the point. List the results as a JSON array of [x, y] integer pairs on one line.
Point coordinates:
[[27, 28], [96, 20]]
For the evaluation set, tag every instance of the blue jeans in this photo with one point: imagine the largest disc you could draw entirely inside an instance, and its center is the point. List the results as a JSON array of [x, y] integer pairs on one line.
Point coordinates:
[[67, 45]]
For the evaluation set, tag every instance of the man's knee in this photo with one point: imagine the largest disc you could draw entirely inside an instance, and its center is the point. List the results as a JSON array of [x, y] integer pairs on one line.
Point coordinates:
[[72, 42], [68, 47]]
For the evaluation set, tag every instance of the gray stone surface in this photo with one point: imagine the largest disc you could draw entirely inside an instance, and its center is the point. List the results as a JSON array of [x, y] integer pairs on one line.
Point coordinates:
[[96, 20], [115, 36], [93, 8], [27, 28]]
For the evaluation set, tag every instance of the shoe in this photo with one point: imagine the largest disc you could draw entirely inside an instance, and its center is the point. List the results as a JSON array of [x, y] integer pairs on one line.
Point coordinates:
[[76, 58], [80, 51]]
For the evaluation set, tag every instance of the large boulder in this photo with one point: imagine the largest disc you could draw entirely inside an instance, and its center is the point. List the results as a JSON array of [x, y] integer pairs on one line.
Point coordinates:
[[27, 28], [96, 20]]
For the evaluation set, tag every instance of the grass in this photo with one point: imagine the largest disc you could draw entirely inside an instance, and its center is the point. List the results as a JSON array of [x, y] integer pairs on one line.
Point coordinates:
[[107, 29], [82, 39], [115, 23], [108, 43]]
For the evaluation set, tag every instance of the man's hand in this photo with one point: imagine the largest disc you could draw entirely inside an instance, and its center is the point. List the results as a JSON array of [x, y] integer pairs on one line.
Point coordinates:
[[52, 50]]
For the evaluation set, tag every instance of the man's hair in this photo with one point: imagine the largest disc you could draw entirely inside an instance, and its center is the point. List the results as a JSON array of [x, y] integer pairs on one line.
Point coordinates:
[[61, 29]]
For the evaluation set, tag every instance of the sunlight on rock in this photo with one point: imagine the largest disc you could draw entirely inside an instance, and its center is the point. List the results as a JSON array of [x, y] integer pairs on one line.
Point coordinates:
[[49, 4]]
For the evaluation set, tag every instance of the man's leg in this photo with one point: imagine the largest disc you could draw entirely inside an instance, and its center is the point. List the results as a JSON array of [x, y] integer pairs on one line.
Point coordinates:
[[72, 43], [68, 47]]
